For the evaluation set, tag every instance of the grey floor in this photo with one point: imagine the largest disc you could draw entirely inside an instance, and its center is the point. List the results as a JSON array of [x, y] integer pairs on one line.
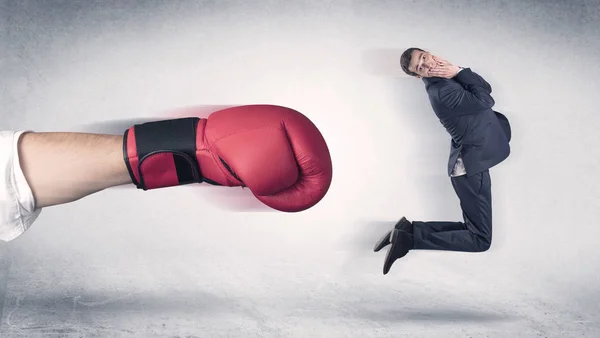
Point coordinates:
[[201, 262]]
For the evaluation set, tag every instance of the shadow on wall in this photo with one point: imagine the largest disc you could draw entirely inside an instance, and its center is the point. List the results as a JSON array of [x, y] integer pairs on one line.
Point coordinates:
[[118, 127], [429, 152], [384, 63]]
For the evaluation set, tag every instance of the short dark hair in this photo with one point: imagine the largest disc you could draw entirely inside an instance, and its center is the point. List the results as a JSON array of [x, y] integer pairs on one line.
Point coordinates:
[[405, 60]]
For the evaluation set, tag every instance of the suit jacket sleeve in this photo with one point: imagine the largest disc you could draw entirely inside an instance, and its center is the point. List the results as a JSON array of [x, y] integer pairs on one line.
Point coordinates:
[[469, 93], [468, 77]]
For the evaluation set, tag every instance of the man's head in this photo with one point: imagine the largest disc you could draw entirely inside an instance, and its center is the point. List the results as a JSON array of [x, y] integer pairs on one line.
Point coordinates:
[[417, 62]]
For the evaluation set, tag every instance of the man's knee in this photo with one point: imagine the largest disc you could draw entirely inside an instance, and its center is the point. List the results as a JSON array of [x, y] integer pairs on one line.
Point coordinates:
[[483, 243]]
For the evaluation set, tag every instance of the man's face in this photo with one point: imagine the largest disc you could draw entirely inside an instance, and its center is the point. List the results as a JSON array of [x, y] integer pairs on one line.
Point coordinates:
[[421, 63]]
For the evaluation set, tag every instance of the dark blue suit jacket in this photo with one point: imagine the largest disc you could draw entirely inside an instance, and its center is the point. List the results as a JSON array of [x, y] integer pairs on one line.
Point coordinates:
[[463, 105]]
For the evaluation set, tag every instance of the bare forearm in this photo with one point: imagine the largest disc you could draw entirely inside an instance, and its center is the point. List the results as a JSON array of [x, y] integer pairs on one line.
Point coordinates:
[[64, 167]]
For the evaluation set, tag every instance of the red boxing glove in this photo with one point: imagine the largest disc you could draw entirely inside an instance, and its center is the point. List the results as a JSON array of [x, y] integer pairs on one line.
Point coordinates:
[[277, 152]]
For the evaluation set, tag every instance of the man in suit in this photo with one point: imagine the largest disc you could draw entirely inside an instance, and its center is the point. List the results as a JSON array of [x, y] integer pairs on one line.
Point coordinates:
[[462, 101]]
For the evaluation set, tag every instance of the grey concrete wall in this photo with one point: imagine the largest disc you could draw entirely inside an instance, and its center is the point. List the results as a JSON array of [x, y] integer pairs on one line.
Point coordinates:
[[190, 262]]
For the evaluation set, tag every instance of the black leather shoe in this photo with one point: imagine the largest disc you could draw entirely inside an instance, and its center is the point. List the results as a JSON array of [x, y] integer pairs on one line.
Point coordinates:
[[385, 240], [402, 242], [403, 224]]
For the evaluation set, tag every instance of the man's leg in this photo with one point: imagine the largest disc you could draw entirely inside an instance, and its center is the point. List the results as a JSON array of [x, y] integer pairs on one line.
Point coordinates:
[[472, 235]]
